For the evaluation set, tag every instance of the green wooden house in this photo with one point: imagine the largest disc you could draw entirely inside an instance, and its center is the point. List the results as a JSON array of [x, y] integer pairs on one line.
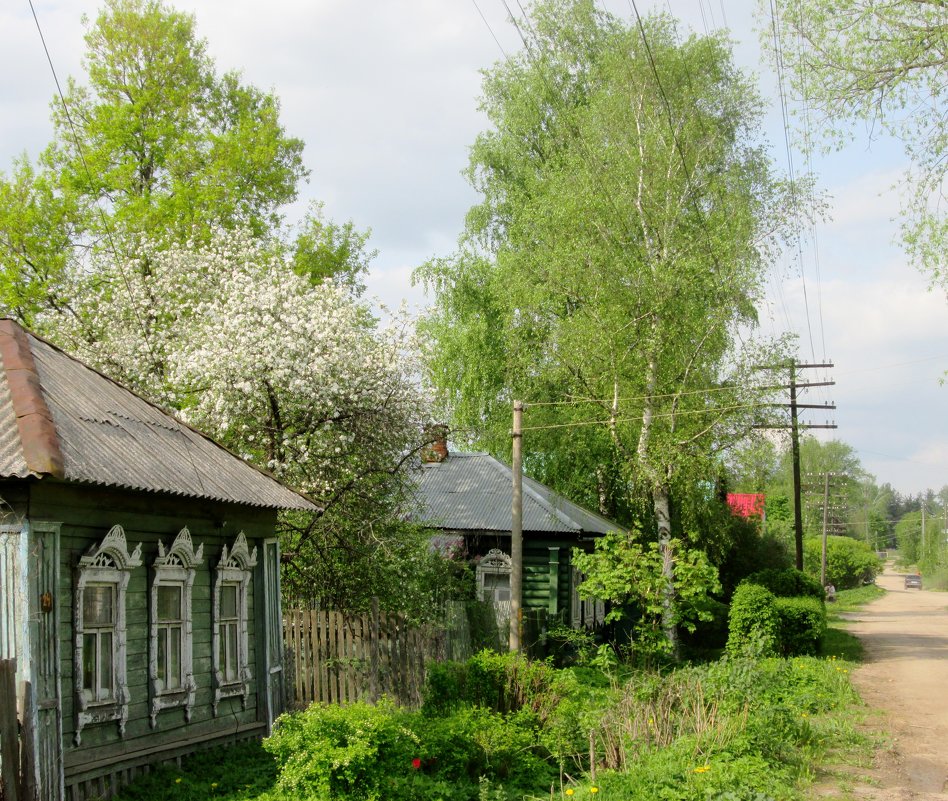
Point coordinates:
[[139, 577], [466, 499]]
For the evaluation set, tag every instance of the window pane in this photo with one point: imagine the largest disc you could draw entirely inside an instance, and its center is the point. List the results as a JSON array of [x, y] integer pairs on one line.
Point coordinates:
[[229, 601], [231, 672], [105, 665], [162, 656], [97, 605], [88, 661], [493, 580], [169, 602], [174, 658]]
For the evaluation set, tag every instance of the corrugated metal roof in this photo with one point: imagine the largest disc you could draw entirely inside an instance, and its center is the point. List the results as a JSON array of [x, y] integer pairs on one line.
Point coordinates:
[[110, 436], [472, 492]]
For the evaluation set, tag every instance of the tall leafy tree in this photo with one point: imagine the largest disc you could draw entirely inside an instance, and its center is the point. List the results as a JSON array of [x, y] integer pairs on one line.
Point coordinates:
[[864, 67], [628, 214], [155, 142]]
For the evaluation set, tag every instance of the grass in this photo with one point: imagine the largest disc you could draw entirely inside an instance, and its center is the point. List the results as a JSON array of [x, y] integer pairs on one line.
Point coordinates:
[[727, 730], [837, 642]]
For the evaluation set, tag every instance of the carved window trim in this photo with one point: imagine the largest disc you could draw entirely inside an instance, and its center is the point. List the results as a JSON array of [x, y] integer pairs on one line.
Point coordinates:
[[495, 563], [110, 564], [234, 568], [175, 567]]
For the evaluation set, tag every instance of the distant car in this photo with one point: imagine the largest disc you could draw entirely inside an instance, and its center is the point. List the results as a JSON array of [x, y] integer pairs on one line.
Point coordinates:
[[913, 580]]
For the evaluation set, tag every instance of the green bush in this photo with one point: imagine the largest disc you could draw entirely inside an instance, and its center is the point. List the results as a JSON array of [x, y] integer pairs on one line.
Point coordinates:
[[500, 682], [364, 753], [753, 622], [787, 583], [342, 752], [802, 625], [849, 562]]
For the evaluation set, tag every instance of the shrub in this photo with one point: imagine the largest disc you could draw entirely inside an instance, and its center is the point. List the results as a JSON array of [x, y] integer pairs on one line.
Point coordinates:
[[802, 625], [787, 583], [342, 752], [753, 622], [849, 562], [500, 682]]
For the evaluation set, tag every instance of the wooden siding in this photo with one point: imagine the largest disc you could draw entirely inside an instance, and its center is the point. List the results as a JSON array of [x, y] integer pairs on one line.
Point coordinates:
[[86, 515]]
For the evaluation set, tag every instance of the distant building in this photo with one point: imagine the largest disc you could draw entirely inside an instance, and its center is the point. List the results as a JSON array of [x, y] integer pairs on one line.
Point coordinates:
[[466, 498], [749, 505]]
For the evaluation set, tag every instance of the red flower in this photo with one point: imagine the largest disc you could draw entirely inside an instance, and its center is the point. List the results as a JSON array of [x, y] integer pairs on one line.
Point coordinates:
[[416, 763]]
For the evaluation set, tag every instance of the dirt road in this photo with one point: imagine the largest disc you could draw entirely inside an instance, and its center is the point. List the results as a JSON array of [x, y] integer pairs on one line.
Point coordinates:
[[905, 634]]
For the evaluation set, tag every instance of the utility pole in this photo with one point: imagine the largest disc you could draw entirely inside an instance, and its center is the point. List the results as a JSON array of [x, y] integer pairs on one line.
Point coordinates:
[[826, 494], [795, 427], [516, 529]]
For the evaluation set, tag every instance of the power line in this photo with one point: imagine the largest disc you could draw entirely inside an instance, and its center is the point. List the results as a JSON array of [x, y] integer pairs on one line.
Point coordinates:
[[608, 401], [685, 413], [85, 166]]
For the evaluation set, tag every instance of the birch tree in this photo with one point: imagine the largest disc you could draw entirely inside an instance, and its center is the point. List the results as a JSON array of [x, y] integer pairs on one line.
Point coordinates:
[[627, 219]]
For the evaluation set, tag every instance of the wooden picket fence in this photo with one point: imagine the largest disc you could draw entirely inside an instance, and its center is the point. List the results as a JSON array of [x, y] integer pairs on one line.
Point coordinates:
[[335, 658]]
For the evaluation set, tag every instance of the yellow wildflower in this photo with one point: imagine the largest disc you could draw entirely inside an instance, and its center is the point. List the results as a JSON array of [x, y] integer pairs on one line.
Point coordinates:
[[594, 789], [569, 791], [702, 768]]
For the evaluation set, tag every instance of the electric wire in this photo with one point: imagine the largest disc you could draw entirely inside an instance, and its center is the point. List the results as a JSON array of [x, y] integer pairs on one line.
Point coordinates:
[[85, 166], [656, 415]]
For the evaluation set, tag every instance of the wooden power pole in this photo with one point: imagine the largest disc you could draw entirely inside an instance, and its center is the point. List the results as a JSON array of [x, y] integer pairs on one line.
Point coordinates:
[[795, 427], [516, 530]]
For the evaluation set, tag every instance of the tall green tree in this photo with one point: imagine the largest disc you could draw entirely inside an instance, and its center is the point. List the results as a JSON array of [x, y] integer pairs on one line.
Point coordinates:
[[154, 143], [628, 214], [865, 67]]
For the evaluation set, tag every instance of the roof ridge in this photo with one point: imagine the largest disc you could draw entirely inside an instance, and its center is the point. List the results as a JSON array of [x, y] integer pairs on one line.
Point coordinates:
[[39, 439]]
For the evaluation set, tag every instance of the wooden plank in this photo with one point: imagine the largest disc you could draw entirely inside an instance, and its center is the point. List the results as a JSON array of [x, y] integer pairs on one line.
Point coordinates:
[[9, 736], [373, 637]]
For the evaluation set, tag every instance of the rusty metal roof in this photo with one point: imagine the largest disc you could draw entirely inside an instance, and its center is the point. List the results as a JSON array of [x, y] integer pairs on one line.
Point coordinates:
[[473, 491], [60, 418]]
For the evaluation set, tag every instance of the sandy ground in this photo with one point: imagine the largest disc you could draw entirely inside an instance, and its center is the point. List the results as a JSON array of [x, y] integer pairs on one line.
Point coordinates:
[[905, 677]]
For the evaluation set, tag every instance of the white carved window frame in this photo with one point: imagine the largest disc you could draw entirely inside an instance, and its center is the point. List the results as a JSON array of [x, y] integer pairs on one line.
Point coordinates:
[[235, 567], [108, 563], [175, 567], [495, 563]]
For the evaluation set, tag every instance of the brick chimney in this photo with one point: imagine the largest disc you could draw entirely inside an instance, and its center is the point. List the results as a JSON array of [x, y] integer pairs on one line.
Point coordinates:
[[435, 449]]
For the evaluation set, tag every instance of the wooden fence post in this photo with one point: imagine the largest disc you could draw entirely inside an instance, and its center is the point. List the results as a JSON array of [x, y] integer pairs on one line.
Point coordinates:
[[374, 653], [9, 735]]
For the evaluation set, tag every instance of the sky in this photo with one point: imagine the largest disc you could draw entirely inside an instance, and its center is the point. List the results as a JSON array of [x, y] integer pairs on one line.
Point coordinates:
[[385, 95]]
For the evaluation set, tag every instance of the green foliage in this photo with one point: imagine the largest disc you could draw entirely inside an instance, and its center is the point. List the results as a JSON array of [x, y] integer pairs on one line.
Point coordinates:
[[499, 682], [342, 752], [630, 576], [849, 562], [864, 66], [158, 143], [583, 270], [802, 625], [364, 753], [753, 623], [231, 773], [787, 583]]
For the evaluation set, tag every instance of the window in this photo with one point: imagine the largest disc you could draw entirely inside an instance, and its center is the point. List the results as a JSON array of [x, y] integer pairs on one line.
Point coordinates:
[[170, 655], [101, 685], [493, 577], [231, 647], [98, 639]]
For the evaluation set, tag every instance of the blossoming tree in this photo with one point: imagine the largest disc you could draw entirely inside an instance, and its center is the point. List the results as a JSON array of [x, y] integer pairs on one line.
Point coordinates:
[[299, 378]]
